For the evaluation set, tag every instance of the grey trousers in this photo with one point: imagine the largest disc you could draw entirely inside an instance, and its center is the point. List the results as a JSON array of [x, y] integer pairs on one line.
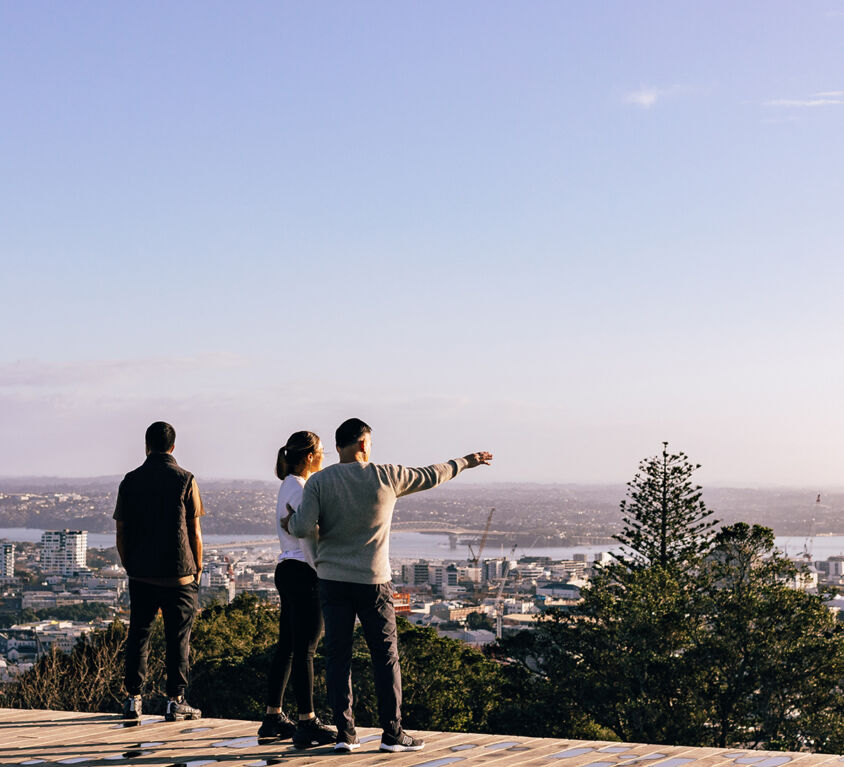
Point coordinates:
[[373, 604]]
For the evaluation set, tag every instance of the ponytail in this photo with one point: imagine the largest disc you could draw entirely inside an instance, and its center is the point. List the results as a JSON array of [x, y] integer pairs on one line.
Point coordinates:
[[292, 455], [281, 463]]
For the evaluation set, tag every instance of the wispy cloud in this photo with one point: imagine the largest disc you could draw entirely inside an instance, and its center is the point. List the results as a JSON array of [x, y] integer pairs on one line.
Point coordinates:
[[647, 96], [644, 97], [820, 99], [41, 374]]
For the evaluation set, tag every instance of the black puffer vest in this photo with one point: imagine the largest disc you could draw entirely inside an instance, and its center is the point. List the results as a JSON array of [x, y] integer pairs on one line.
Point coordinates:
[[156, 539]]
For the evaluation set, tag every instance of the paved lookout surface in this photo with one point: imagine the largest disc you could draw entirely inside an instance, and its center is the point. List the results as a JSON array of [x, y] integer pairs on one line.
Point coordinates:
[[64, 737]]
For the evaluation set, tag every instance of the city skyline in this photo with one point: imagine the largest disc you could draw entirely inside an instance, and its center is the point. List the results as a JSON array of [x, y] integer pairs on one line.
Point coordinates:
[[562, 233]]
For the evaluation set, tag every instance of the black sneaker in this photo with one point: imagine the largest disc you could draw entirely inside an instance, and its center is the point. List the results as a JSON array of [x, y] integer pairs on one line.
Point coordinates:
[[178, 709], [132, 707], [346, 741], [312, 732], [276, 727], [401, 742]]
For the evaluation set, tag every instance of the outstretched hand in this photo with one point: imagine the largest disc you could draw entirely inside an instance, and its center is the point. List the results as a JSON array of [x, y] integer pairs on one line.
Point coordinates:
[[476, 459], [286, 520]]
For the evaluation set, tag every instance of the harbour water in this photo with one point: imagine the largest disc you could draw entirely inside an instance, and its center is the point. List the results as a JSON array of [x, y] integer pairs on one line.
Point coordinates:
[[405, 545]]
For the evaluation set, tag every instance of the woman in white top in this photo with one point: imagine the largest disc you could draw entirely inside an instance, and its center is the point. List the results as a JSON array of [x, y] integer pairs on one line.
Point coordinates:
[[300, 618]]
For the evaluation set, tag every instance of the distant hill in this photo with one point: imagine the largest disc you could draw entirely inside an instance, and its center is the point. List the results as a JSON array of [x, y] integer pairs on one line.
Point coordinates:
[[549, 511]]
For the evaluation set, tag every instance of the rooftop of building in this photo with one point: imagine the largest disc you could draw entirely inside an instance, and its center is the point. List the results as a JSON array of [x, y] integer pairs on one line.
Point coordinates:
[[30, 737]]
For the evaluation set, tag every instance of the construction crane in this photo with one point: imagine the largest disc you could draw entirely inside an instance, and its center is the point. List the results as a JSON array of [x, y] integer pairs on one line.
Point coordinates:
[[809, 543], [475, 558], [499, 599]]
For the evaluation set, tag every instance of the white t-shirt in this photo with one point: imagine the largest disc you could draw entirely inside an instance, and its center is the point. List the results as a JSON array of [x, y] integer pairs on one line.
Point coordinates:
[[301, 549]]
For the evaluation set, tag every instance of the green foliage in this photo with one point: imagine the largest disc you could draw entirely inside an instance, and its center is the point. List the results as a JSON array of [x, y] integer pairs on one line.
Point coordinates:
[[446, 684], [542, 692], [479, 620], [231, 650], [773, 656], [89, 678], [665, 521], [619, 655], [725, 653], [85, 612], [450, 626], [98, 558]]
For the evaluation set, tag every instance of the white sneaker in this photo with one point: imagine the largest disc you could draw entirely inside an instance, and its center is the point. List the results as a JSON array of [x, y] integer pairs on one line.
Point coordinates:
[[345, 745]]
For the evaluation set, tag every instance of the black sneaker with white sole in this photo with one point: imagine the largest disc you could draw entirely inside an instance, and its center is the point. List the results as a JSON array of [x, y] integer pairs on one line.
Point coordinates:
[[179, 710], [312, 732], [401, 742], [132, 707]]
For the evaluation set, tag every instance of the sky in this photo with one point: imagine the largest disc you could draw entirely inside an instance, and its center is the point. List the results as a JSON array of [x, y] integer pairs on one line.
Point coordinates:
[[564, 232]]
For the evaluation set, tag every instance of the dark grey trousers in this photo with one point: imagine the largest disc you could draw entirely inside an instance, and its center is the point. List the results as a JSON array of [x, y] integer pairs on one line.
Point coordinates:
[[373, 604]]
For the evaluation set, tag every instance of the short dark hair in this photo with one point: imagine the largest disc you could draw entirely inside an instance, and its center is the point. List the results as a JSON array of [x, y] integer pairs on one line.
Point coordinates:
[[350, 431], [160, 437]]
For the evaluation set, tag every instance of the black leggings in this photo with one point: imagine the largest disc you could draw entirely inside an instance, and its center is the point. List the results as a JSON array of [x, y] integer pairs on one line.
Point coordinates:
[[299, 630]]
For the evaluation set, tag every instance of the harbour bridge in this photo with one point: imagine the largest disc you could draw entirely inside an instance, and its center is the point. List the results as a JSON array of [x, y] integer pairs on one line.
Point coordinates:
[[456, 535]]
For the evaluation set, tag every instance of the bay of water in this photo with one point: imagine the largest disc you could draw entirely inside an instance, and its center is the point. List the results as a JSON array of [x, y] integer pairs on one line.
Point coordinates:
[[106, 540], [425, 546]]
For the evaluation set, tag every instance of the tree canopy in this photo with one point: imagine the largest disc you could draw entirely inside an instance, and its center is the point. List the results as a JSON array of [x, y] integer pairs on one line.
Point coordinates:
[[446, 684], [691, 638]]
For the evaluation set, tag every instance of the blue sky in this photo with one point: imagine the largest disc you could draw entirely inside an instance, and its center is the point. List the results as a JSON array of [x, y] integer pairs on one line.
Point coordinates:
[[563, 232]]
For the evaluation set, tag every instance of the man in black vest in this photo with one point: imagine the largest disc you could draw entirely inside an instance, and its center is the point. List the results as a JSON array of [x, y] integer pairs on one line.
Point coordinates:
[[160, 545]]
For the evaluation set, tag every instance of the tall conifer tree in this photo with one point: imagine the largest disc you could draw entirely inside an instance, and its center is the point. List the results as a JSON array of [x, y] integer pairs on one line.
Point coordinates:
[[666, 522]]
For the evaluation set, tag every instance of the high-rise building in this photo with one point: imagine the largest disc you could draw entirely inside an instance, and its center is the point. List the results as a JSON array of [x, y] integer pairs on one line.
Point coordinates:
[[415, 574], [443, 575], [494, 569], [64, 552], [7, 560]]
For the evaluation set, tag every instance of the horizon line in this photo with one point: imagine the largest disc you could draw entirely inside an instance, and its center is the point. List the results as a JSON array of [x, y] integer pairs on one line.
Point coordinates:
[[731, 485]]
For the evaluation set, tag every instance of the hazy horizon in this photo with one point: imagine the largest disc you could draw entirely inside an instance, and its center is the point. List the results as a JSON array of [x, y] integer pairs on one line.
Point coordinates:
[[559, 232], [470, 483]]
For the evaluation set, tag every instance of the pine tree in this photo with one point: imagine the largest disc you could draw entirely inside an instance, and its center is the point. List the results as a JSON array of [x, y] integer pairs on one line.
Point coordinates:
[[666, 522]]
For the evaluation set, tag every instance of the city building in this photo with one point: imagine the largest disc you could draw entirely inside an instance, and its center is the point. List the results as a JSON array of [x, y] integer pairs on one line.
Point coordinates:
[[64, 552], [449, 611], [473, 638], [443, 578], [530, 571], [7, 560], [415, 574], [568, 568], [494, 569], [217, 577], [401, 603], [560, 590]]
